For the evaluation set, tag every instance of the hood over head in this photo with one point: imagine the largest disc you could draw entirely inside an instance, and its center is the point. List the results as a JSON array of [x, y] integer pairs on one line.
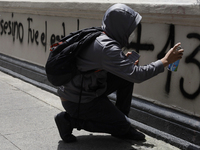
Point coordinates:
[[119, 22]]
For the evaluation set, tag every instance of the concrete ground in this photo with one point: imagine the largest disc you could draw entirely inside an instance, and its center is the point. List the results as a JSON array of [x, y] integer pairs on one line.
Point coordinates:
[[27, 123]]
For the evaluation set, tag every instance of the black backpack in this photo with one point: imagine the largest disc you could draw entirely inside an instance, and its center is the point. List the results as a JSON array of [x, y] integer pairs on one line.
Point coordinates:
[[61, 64]]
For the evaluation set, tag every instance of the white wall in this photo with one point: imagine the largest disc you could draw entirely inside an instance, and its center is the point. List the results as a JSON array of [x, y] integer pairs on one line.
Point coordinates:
[[48, 18], [179, 96], [19, 44]]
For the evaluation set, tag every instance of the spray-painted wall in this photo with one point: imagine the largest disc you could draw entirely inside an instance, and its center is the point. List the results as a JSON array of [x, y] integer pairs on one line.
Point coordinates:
[[179, 89], [29, 37], [27, 33]]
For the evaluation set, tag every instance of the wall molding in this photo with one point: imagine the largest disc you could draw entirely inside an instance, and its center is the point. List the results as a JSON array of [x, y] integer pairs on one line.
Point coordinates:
[[175, 13], [172, 126]]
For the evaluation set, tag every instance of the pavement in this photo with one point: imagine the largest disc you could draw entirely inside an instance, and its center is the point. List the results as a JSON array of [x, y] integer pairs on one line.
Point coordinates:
[[27, 123]]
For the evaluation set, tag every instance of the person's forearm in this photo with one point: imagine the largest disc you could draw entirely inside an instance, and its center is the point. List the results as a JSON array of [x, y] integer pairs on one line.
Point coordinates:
[[165, 62]]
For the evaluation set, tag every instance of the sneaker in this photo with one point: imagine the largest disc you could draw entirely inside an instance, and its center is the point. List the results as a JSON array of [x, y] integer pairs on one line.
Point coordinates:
[[132, 134], [64, 127]]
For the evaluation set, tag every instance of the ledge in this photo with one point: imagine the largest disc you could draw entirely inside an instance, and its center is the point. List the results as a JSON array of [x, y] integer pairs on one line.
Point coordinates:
[[182, 13]]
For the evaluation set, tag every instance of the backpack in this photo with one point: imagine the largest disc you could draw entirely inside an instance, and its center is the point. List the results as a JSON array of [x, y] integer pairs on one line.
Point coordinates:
[[61, 64]]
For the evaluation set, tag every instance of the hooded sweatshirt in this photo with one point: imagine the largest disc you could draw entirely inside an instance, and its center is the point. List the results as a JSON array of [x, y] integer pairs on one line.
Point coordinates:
[[105, 54]]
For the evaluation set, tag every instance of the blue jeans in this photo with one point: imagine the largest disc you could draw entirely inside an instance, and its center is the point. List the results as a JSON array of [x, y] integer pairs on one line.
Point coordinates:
[[100, 115]]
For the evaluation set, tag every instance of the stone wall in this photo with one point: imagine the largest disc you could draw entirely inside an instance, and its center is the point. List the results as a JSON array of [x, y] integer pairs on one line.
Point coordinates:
[[28, 28]]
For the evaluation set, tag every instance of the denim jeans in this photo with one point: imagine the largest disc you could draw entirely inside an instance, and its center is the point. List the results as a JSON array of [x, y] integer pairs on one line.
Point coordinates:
[[100, 115]]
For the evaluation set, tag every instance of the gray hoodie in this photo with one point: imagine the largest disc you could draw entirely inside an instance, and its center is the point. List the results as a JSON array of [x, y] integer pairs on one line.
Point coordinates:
[[105, 54]]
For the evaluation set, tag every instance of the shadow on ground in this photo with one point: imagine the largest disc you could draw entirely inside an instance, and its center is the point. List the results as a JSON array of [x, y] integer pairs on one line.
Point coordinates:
[[99, 142]]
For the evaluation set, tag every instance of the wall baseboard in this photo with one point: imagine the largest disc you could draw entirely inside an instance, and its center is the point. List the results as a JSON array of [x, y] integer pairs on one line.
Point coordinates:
[[179, 129]]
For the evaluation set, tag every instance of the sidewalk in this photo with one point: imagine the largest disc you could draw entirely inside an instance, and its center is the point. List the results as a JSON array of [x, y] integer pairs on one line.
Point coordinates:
[[27, 123]]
